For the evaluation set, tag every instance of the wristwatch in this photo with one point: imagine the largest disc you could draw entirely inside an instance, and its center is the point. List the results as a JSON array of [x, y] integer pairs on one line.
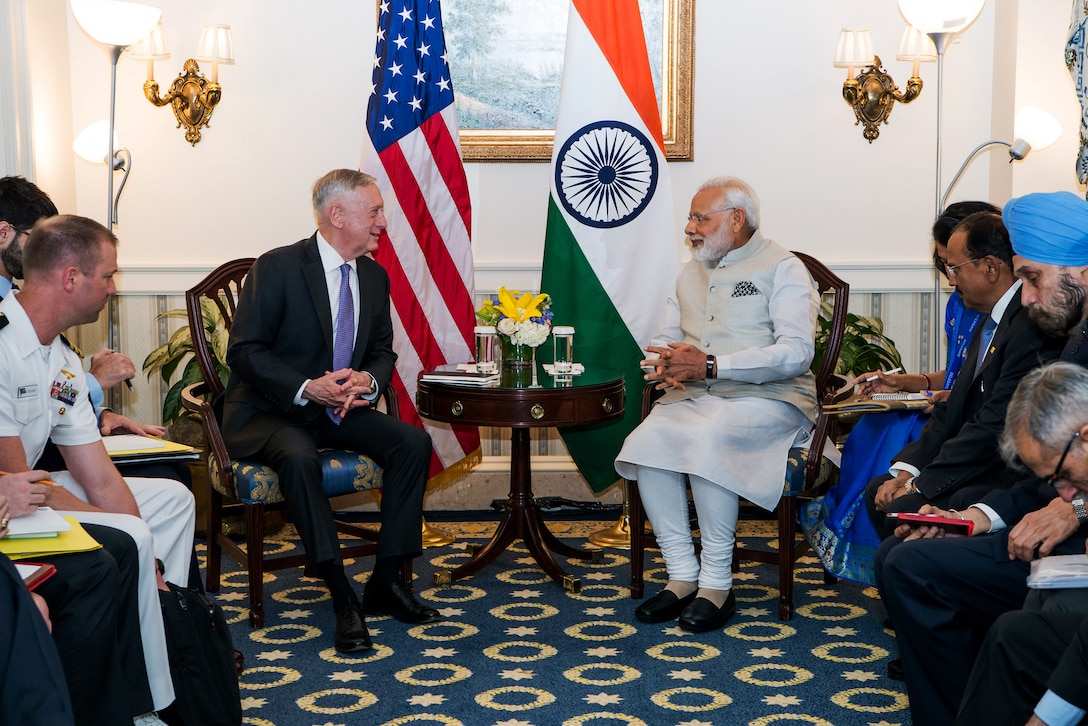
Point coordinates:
[[1080, 510], [711, 361]]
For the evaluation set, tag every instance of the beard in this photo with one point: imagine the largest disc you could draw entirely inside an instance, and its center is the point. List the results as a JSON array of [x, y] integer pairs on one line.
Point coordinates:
[[713, 249], [1065, 311], [12, 257]]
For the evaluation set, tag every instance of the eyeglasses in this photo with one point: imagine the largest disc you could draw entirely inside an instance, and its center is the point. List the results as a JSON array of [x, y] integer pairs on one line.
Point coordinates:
[[702, 218], [18, 230], [1055, 479], [950, 270]]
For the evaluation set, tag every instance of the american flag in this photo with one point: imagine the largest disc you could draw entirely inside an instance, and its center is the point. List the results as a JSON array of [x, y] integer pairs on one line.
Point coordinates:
[[412, 149]]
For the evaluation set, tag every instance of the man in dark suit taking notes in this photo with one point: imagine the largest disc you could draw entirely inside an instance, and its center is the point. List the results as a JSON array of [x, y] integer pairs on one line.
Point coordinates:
[[310, 350]]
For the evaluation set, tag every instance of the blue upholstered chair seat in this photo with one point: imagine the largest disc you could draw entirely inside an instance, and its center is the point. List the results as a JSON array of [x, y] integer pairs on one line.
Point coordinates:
[[341, 473], [795, 472]]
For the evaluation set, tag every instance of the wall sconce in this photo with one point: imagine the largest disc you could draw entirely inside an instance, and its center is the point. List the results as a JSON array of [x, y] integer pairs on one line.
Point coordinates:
[[872, 93], [191, 96]]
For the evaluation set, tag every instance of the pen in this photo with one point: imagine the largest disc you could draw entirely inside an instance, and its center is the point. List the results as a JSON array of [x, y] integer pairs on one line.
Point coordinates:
[[128, 383], [870, 379]]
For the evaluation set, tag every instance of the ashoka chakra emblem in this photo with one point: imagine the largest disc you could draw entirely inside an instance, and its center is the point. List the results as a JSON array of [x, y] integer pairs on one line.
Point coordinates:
[[606, 174]]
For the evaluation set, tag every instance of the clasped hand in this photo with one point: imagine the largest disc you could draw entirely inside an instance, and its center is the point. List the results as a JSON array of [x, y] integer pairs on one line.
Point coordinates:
[[676, 363], [340, 390]]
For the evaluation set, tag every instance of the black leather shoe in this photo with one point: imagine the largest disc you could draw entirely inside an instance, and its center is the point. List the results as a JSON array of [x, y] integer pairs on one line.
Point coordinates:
[[895, 670], [663, 606], [397, 600], [351, 632], [702, 616]]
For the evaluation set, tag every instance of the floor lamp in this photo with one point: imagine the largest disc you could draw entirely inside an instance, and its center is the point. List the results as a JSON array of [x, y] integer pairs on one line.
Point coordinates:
[[115, 25], [941, 20]]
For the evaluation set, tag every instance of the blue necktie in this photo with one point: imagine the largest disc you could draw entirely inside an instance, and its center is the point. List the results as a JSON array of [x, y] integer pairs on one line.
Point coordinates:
[[988, 329], [345, 329]]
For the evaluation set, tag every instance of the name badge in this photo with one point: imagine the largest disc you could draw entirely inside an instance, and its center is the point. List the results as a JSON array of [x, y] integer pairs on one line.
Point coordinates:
[[30, 391]]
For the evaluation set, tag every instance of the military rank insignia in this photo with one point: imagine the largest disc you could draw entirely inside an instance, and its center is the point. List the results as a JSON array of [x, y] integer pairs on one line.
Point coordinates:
[[64, 391]]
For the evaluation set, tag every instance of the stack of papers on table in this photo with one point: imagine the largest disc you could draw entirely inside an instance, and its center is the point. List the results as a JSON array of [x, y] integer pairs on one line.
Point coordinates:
[[135, 448], [1059, 571], [42, 523], [461, 378]]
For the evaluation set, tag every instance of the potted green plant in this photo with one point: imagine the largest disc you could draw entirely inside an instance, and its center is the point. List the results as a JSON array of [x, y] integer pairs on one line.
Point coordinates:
[[864, 346], [167, 358]]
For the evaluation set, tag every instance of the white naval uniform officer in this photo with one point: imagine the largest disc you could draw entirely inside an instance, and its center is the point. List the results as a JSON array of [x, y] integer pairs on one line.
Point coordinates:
[[69, 264], [734, 351]]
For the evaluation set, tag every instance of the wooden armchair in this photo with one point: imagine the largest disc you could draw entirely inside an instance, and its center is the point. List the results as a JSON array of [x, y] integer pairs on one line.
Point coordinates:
[[807, 470], [249, 485]]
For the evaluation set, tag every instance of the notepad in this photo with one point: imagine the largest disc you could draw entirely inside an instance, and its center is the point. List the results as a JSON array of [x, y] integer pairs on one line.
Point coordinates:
[[75, 539], [34, 573], [43, 523], [1058, 572], [899, 397]]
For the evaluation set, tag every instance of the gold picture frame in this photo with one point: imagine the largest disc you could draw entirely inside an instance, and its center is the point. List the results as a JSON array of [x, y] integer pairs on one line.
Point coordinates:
[[677, 62]]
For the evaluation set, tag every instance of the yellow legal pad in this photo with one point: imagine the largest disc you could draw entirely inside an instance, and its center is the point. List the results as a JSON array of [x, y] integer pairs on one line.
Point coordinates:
[[74, 540]]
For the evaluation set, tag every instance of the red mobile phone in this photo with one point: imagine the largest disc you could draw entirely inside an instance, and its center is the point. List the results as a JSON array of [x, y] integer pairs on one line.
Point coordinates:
[[959, 526]]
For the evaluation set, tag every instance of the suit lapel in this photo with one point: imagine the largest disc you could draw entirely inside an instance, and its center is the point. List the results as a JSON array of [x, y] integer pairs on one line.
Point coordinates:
[[1003, 327], [314, 275]]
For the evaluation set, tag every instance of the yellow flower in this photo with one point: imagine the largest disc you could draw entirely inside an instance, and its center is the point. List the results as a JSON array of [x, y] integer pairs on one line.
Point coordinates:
[[522, 308]]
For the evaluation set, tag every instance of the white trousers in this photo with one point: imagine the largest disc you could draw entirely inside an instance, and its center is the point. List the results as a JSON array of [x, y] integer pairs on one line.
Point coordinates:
[[664, 497], [165, 530]]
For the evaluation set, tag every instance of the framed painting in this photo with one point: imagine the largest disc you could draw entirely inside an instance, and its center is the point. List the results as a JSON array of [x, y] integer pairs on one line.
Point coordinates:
[[506, 62]]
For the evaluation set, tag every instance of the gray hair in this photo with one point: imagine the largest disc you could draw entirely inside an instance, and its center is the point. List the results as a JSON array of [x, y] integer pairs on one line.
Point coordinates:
[[737, 193], [1050, 403], [335, 183]]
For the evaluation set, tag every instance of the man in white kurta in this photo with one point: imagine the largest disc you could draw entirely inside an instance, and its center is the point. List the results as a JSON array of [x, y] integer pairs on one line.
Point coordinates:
[[733, 356], [43, 395]]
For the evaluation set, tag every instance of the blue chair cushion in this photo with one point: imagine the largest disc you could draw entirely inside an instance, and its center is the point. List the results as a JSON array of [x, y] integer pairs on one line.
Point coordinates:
[[795, 472], [342, 472]]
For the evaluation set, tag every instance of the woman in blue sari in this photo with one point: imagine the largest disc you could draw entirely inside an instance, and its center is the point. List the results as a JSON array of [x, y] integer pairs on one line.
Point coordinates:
[[837, 524]]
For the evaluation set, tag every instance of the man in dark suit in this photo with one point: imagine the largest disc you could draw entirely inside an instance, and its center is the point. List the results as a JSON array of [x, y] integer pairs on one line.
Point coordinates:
[[310, 350], [943, 593], [1036, 660], [954, 462]]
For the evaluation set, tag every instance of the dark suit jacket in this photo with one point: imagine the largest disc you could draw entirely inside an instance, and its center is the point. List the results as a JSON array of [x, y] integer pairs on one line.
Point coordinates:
[[959, 445], [282, 335], [1032, 493]]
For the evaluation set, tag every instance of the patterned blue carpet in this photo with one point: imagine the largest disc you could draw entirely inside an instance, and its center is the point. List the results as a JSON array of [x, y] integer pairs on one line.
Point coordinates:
[[514, 649]]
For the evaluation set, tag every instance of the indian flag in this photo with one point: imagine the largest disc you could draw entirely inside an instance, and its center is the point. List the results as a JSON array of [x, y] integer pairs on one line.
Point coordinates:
[[610, 253]]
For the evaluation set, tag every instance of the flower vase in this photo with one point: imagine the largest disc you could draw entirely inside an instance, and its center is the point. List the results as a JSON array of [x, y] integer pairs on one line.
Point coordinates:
[[518, 361]]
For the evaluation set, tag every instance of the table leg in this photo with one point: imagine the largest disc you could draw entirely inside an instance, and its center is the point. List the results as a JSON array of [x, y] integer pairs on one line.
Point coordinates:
[[521, 519]]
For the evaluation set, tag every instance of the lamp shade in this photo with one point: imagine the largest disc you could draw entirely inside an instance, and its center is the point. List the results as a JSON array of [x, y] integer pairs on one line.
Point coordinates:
[[855, 48], [152, 46], [92, 144], [916, 46], [215, 45], [114, 22], [940, 16], [1037, 127]]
